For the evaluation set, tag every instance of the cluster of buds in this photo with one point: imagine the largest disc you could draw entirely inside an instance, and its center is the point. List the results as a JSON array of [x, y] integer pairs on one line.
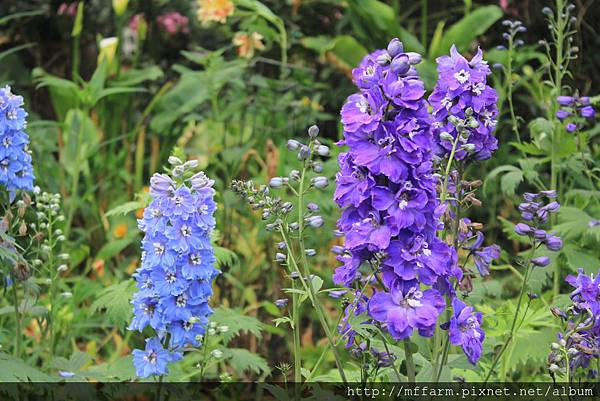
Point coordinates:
[[574, 111], [535, 212], [273, 209], [372, 357], [513, 29], [49, 233]]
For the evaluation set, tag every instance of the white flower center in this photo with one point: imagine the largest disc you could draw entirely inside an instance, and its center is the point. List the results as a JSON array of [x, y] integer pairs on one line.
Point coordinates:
[[462, 76]]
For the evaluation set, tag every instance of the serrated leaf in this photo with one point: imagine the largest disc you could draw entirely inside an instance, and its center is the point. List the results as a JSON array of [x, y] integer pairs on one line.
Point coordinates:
[[74, 364], [243, 360], [573, 222], [237, 323], [125, 208], [13, 369], [577, 257], [115, 299]]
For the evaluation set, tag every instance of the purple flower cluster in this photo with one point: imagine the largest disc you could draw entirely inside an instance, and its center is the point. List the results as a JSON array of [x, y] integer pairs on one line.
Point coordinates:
[[581, 341], [388, 192], [464, 108], [535, 212], [16, 172], [175, 277], [574, 110], [465, 330]]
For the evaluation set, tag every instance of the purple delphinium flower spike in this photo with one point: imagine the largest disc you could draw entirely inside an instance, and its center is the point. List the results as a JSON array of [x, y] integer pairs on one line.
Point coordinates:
[[387, 191], [464, 106], [175, 277]]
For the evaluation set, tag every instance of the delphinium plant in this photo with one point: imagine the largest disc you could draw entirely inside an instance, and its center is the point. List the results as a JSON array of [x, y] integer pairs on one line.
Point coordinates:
[[464, 114], [292, 221], [177, 269], [535, 213], [396, 226], [576, 354]]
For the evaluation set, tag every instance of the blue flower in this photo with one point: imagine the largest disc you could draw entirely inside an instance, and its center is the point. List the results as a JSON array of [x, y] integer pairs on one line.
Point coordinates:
[[16, 172], [175, 277], [465, 330], [154, 360]]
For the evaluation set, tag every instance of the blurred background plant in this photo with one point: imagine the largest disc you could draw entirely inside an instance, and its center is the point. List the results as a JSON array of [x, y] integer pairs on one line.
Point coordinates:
[[113, 87]]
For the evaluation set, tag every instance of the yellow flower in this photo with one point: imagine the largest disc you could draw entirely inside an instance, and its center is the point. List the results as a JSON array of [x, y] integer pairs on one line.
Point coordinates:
[[214, 10], [120, 6], [246, 44]]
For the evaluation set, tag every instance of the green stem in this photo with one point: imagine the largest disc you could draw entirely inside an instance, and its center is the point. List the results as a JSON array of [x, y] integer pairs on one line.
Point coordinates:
[[17, 320], [297, 349], [410, 364], [515, 317]]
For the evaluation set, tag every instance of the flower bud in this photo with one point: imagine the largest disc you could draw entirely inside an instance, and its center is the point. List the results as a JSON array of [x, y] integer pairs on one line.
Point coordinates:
[[383, 59], [400, 65], [310, 252], [217, 353], [395, 47], [304, 152], [553, 243], [295, 175], [317, 168], [313, 207], [338, 250], [62, 268], [293, 144], [174, 161], [281, 303], [523, 229], [414, 58], [445, 136], [323, 150], [119, 6], [541, 261], [280, 257], [315, 221], [276, 182], [313, 131], [320, 182]]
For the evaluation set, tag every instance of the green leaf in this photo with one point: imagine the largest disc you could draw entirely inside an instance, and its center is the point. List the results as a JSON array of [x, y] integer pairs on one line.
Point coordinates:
[[115, 299], [81, 139], [347, 51], [528, 148], [573, 222], [125, 208], [243, 360], [510, 181], [134, 76], [113, 248], [577, 257], [237, 323], [466, 30], [75, 363], [13, 369]]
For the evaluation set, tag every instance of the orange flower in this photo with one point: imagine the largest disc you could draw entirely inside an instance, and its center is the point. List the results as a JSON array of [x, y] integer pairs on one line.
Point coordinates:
[[98, 268], [246, 44], [120, 230], [214, 10]]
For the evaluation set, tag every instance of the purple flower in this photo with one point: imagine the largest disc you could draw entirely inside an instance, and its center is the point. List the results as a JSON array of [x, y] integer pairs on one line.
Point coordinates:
[[464, 107], [465, 330], [406, 308], [387, 191], [363, 111], [483, 258]]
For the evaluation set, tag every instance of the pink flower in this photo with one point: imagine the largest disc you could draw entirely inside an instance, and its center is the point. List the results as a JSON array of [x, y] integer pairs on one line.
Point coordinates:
[[173, 23]]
